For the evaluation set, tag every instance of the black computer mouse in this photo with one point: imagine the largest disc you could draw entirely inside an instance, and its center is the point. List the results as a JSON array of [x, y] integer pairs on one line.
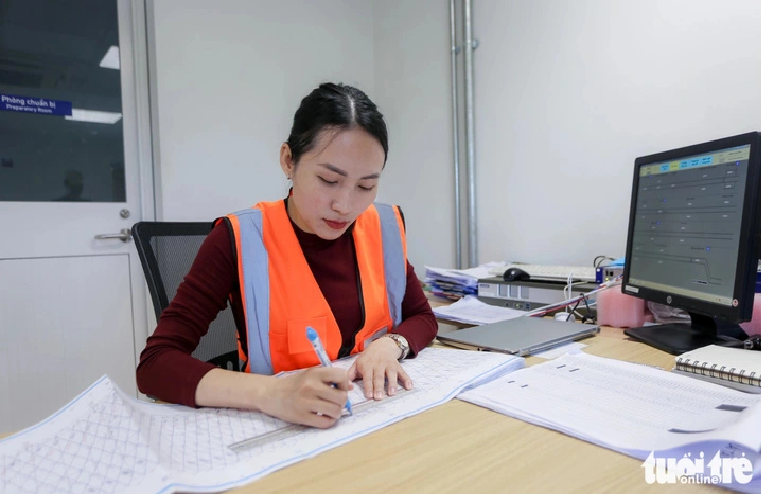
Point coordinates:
[[515, 274]]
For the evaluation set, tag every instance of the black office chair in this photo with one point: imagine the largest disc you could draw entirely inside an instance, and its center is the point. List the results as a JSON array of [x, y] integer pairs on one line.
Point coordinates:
[[167, 250]]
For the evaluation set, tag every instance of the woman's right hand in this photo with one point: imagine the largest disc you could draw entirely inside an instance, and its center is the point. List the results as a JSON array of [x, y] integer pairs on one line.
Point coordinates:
[[308, 397]]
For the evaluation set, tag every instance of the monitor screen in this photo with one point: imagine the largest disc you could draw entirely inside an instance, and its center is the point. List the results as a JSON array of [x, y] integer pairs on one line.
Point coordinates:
[[693, 238], [687, 224]]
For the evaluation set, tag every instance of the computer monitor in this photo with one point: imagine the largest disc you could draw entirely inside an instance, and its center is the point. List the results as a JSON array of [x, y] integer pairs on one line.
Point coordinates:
[[693, 240]]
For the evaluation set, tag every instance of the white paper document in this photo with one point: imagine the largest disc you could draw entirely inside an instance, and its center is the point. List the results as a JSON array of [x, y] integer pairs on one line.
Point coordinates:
[[107, 442], [477, 273], [470, 310], [630, 408]]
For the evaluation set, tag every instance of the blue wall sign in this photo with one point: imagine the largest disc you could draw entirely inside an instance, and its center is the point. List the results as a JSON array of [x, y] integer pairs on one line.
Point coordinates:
[[28, 104]]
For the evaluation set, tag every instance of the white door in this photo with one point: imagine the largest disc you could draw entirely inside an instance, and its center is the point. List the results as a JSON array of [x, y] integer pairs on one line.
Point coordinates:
[[74, 143]]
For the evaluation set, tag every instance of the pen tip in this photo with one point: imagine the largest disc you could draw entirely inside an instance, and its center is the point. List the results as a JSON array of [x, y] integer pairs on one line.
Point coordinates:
[[311, 333]]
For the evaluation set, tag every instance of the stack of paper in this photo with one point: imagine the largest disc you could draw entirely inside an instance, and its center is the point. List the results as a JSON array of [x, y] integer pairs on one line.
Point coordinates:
[[643, 412], [449, 283], [106, 441], [453, 284], [470, 310]]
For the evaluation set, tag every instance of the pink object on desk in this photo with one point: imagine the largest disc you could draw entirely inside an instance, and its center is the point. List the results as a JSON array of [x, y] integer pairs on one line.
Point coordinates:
[[619, 310], [754, 326]]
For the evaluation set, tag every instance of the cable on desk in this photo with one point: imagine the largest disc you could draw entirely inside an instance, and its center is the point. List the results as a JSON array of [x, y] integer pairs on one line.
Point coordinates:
[[600, 259], [568, 289], [565, 303]]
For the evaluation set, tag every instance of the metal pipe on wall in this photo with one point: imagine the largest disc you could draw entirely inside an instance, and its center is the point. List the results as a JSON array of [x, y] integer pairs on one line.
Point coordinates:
[[469, 46], [455, 135]]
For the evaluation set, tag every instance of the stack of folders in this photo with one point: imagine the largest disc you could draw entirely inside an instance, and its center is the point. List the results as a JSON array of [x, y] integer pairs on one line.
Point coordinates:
[[732, 367], [451, 284]]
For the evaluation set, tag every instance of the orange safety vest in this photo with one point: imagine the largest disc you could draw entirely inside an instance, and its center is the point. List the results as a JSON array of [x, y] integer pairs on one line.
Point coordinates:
[[281, 296]]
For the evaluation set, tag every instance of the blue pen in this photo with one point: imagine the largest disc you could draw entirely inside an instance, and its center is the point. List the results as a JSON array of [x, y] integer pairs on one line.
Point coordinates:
[[314, 339]]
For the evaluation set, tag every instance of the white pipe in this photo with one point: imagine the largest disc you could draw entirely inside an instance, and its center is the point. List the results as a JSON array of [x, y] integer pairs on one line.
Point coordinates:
[[455, 136], [470, 133]]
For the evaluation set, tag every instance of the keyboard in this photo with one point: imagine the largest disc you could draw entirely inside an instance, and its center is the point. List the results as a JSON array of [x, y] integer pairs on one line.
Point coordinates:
[[550, 273]]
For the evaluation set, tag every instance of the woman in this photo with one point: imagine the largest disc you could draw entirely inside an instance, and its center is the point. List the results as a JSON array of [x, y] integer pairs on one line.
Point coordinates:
[[325, 257]]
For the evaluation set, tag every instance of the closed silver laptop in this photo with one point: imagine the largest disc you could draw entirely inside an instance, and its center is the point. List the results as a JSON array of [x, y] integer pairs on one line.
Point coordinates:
[[519, 336]]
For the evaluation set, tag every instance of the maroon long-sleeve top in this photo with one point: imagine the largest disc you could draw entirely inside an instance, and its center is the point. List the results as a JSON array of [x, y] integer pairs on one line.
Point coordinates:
[[167, 370]]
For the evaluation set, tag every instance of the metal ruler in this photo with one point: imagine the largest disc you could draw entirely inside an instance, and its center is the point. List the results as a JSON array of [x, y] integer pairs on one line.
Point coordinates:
[[294, 429]]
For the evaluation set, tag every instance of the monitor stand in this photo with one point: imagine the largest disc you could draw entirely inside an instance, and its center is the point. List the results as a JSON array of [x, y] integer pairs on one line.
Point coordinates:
[[679, 338]]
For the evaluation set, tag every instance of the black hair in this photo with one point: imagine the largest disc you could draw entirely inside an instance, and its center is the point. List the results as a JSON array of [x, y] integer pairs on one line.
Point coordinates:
[[338, 107]]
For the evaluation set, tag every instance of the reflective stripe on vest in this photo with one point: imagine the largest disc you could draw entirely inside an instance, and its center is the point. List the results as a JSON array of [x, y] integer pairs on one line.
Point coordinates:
[[253, 276], [394, 255], [285, 352]]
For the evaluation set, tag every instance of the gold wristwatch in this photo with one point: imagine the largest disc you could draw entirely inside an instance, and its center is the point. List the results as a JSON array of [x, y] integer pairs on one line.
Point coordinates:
[[401, 342]]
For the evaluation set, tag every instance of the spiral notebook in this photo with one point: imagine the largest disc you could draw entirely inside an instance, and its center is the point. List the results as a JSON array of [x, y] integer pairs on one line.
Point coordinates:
[[732, 367]]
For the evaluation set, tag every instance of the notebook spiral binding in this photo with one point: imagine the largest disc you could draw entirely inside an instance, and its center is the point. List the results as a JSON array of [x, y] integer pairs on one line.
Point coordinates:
[[731, 374]]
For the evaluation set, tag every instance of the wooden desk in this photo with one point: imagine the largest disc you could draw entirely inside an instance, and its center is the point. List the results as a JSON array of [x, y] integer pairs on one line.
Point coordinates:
[[459, 447]]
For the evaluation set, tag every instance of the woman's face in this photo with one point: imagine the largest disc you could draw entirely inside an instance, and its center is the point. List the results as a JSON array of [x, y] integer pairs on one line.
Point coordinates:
[[334, 182]]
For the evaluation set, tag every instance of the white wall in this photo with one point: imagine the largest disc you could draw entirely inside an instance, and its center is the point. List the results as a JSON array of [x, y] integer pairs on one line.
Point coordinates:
[[570, 92], [567, 95], [412, 70], [230, 76]]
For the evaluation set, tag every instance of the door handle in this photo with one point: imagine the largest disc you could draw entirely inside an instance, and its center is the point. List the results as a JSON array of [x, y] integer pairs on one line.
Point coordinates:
[[124, 235]]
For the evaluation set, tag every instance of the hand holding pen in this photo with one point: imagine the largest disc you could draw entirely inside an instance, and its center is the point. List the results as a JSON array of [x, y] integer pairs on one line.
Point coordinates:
[[314, 339], [314, 397]]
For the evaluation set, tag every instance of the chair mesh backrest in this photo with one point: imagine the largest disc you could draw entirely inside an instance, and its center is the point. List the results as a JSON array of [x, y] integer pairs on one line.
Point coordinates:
[[167, 252]]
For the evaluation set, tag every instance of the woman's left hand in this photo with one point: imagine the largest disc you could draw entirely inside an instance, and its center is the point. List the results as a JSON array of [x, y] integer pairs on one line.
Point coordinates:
[[377, 365]]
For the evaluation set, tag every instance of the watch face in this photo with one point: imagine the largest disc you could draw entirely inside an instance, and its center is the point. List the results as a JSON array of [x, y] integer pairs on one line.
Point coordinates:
[[400, 340], [403, 342], [403, 345]]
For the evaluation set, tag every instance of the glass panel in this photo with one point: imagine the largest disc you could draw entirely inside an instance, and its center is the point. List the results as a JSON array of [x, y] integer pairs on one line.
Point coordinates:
[[60, 102]]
